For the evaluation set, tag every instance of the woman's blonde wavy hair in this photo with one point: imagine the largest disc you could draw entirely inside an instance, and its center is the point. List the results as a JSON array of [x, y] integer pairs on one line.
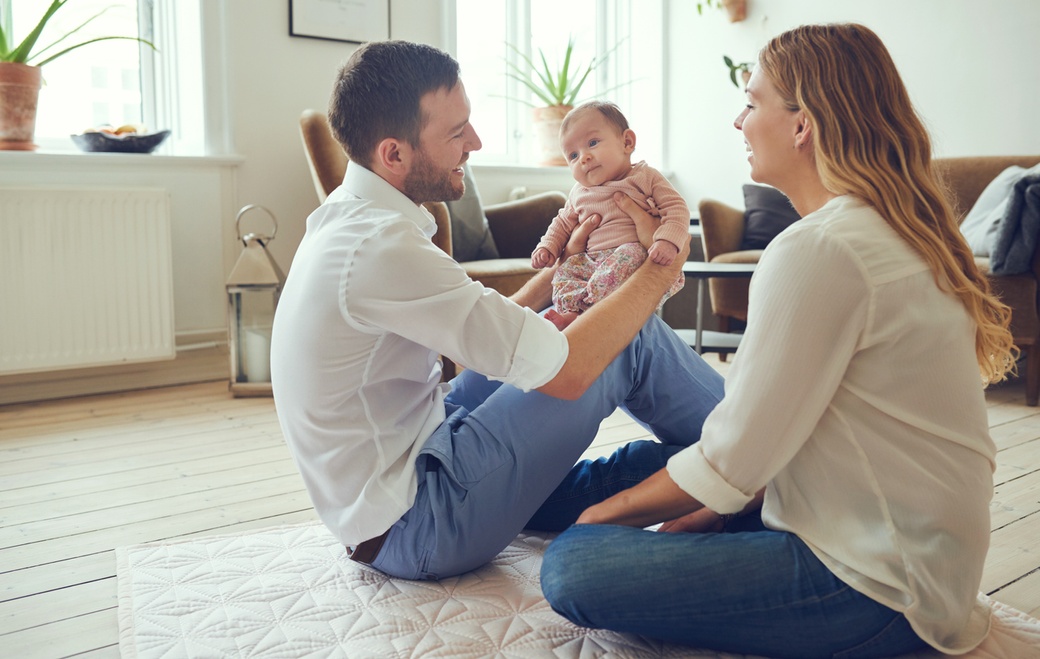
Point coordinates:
[[868, 141]]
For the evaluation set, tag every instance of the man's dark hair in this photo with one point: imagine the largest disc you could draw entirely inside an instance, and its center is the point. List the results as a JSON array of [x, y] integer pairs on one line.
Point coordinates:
[[377, 94]]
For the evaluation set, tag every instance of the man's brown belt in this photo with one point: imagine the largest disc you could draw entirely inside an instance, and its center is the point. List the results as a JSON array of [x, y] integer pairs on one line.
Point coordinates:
[[367, 551]]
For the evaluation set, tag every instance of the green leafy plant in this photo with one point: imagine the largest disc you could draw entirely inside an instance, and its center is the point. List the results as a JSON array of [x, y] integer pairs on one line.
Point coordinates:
[[735, 67], [554, 87], [709, 4], [24, 52]]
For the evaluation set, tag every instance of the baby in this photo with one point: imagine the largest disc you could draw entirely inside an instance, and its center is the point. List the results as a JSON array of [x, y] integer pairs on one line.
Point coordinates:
[[598, 146]]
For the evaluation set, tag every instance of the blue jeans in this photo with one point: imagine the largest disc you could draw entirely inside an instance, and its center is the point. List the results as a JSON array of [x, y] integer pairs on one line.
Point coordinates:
[[756, 592], [500, 454]]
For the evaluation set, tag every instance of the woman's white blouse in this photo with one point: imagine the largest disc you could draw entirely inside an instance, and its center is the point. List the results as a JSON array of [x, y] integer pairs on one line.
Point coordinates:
[[856, 399]]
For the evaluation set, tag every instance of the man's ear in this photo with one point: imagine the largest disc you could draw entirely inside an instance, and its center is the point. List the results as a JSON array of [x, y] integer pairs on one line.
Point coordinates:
[[629, 138], [393, 155]]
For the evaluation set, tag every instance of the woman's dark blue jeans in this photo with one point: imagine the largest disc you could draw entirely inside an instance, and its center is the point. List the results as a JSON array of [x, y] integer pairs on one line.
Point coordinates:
[[757, 592]]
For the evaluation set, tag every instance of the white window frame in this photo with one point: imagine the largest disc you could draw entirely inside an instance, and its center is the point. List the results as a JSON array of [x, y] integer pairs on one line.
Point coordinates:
[[178, 91], [187, 76], [640, 60]]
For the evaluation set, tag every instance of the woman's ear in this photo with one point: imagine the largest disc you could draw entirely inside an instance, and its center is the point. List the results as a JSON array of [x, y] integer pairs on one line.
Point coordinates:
[[803, 131]]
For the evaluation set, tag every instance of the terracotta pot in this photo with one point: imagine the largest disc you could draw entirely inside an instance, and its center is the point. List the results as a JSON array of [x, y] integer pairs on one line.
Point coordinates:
[[547, 130], [19, 92], [735, 9]]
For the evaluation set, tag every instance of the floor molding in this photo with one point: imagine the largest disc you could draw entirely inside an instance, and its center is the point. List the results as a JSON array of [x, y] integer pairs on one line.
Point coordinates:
[[205, 359]]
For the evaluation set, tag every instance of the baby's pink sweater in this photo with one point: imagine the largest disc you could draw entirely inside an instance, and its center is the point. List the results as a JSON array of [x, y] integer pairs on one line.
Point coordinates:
[[617, 228]]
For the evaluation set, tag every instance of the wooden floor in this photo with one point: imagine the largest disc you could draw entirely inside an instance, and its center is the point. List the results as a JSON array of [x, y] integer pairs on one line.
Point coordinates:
[[80, 477]]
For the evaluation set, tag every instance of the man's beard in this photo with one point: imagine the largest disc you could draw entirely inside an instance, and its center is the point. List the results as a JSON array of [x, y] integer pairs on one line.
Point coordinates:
[[425, 182]]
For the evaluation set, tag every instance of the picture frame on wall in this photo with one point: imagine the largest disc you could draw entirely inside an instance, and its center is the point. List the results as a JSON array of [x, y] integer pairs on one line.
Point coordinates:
[[352, 21]]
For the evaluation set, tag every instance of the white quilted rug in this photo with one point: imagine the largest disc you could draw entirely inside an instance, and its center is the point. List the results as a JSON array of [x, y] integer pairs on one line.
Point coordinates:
[[291, 592]]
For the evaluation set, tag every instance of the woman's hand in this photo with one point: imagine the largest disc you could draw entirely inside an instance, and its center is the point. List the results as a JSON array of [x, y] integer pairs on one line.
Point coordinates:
[[656, 499], [704, 520]]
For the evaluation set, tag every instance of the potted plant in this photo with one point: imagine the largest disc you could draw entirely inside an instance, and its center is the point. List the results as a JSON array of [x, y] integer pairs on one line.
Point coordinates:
[[556, 89], [735, 9], [20, 77], [743, 68]]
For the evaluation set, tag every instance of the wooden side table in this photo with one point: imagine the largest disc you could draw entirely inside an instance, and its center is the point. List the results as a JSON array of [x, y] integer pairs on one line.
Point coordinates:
[[699, 339]]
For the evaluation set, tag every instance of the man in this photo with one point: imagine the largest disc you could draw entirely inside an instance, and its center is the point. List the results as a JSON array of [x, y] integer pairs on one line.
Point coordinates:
[[425, 480]]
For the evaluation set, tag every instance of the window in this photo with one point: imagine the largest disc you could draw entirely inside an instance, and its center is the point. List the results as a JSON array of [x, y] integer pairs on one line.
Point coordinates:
[[118, 82], [631, 31]]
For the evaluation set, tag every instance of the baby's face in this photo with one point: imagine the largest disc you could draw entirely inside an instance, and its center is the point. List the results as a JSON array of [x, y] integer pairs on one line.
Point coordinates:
[[595, 150]]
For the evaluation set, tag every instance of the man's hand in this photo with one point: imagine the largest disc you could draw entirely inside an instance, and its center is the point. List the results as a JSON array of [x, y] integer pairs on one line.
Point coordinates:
[[646, 224], [579, 239], [542, 258], [662, 252]]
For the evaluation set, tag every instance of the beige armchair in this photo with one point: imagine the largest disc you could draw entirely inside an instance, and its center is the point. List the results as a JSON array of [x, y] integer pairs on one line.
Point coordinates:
[[515, 226], [722, 227]]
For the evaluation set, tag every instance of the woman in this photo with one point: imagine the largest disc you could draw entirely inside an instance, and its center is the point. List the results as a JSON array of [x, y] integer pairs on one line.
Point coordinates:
[[855, 403]]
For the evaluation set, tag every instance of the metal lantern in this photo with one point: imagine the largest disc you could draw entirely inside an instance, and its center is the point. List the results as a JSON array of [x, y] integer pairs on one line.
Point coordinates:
[[252, 292]]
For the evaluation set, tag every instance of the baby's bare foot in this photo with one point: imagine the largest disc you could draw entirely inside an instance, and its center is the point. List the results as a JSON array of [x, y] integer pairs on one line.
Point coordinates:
[[561, 320]]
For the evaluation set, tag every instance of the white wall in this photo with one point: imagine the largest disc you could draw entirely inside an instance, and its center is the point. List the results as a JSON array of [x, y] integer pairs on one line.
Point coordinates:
[[272, 78], [971, 69]]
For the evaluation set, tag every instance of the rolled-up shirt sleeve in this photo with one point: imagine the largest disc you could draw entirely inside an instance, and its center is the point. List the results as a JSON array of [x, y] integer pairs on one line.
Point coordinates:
[[692, 472], [540, 353]]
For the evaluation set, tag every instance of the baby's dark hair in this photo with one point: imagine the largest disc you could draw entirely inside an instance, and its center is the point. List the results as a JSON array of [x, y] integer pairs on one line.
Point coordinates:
[[609, 110]]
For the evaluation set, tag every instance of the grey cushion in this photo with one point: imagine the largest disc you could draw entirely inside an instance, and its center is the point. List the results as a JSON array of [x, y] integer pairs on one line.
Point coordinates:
[[471, 238], [979, 226], [767, 213]]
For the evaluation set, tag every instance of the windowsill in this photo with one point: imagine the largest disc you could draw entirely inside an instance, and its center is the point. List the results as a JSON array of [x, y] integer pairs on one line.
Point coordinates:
[[44, 158], [520, 169], [535, 170]]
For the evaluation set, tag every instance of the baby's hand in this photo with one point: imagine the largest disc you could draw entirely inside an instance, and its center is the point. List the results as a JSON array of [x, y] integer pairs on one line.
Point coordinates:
[[662, 252], [542, 258]]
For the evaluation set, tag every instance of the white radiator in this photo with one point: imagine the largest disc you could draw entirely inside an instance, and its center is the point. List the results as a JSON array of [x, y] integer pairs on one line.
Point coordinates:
[[85, 278]]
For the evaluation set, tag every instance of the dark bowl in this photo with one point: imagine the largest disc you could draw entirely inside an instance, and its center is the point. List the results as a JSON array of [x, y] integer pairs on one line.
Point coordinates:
[[94, 142]]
